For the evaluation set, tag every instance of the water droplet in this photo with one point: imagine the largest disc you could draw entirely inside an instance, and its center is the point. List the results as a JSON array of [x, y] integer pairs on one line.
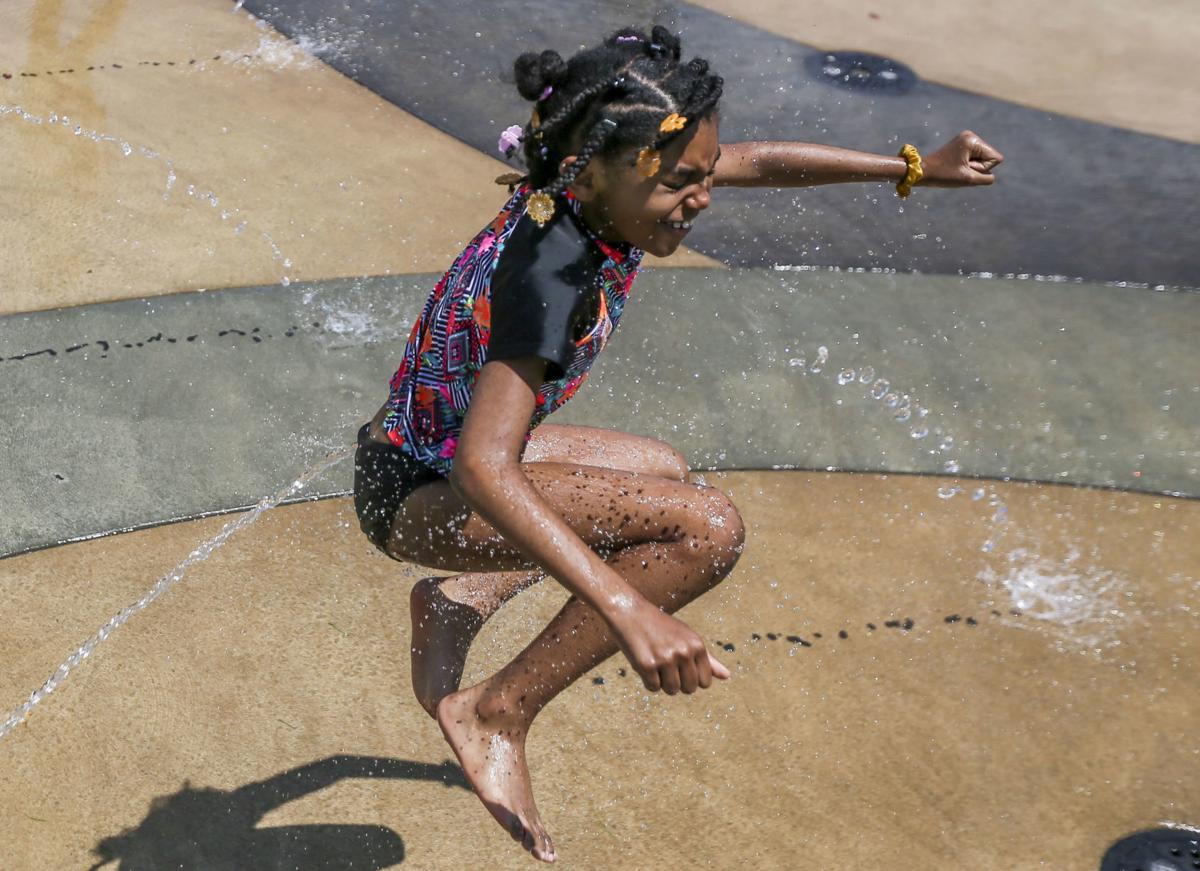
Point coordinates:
[[822, 359], [845, 376]]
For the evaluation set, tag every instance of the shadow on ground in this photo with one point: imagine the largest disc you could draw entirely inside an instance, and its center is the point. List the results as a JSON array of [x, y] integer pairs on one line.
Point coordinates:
[[211, 829]]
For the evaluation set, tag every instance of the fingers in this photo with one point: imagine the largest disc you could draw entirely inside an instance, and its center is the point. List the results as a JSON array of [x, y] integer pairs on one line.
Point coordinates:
[[704, 670], [981, 155], [683, 666], [669, 675], [718, 669], [651, 678], [689, 681]]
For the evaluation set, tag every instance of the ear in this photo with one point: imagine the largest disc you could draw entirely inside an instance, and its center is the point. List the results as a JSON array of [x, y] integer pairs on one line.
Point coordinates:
[[588, 183]]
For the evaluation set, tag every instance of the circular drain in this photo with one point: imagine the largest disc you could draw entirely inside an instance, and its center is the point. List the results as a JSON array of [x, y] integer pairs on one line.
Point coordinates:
[[1154, 850], [858, 70]]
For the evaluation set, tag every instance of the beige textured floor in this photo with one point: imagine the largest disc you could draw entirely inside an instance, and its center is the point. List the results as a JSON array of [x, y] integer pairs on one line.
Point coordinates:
[[235, 722], [1017, 742], [329, 179], [1102, 60]]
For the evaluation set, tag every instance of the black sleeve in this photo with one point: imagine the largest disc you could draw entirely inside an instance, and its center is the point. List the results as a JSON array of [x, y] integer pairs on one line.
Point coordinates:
[[540, 290]]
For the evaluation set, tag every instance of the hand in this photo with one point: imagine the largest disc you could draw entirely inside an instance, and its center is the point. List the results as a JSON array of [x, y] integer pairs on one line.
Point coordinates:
[[666, 652], [964, 160]]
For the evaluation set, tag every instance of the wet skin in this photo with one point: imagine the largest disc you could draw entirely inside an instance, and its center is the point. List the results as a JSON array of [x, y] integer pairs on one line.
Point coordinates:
[[632, 546], [620, 204], [610, 515]]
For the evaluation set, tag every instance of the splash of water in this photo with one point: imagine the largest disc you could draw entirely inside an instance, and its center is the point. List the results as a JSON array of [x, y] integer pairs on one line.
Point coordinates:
[[904, 409], [985, 276], [1077, 605], [201, 553], [127, 149], [1078, 602]]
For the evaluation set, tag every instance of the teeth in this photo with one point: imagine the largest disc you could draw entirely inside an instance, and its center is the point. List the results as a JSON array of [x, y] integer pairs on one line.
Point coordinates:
[[679, 225]]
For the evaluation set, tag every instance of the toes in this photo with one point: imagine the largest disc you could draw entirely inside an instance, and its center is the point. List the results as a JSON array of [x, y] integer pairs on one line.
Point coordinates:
[[545, 849]]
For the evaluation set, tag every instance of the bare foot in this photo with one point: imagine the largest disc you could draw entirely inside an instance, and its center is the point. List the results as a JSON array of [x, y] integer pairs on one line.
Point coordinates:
[[490, 746], [442, 632]]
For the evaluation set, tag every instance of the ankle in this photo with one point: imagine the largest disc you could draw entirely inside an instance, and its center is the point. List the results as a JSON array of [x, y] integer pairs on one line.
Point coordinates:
[[506, 706], [428, 595]]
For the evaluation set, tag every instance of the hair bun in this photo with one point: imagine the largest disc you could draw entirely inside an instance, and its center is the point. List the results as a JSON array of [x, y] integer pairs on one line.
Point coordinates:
[[664, 42], [534, 71]]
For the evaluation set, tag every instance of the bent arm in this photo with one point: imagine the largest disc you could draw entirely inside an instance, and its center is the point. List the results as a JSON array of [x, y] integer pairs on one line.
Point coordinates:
[[801, 164], [487, 475]]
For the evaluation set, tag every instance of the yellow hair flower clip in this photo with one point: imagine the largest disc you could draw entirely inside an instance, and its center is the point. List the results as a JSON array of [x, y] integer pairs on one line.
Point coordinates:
[[648, 161], [541, 207], [672, 123]]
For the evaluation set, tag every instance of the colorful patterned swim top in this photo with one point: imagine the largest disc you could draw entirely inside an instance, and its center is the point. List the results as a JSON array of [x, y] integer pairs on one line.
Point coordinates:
[[555, 291]]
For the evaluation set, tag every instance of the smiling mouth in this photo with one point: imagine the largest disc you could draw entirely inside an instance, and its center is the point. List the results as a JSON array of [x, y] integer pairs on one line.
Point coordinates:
[[678, 226]]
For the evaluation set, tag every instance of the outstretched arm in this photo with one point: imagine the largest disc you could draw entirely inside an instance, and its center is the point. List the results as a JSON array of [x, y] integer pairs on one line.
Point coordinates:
[[963, 161]]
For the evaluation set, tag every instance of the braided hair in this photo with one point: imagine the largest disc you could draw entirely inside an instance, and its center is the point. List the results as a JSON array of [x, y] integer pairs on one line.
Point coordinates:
[[604, 99]]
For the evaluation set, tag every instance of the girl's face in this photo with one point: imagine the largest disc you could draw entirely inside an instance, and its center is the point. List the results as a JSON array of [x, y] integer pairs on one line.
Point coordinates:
[[622, 205]]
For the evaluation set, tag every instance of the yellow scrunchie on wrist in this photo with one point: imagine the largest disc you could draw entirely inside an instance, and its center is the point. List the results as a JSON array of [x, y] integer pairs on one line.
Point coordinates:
[[915, 171]]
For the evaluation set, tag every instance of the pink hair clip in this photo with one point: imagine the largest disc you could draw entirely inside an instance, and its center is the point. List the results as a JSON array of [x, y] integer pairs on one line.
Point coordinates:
[[629, 39], [509, 140], [546, 93]]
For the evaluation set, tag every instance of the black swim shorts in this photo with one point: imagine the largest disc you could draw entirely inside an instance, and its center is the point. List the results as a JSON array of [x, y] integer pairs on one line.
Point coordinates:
[[383, 476]]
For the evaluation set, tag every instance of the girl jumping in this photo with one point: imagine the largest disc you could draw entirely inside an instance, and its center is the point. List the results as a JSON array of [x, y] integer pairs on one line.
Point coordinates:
[[458, 472]]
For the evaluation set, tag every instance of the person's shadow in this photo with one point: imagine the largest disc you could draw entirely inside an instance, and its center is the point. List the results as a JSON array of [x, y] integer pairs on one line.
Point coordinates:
[[213, 830]]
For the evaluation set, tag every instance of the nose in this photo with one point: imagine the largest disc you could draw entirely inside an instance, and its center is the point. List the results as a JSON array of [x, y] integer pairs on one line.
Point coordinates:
[[700, 199]]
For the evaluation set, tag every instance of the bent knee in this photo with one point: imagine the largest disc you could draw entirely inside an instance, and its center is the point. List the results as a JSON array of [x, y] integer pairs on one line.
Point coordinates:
[[725, 529], [677, 465]]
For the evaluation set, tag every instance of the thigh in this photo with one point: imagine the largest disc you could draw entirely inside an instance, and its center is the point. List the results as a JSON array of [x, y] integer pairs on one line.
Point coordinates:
[[608, 508], [607, 448]]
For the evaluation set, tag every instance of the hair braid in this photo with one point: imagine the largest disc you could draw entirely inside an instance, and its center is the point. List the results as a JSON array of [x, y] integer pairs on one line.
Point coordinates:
[[593, 144], [579, 100], [605, 99]]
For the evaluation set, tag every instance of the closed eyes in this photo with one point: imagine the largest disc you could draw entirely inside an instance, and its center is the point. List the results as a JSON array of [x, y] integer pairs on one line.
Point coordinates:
[[673, 188]]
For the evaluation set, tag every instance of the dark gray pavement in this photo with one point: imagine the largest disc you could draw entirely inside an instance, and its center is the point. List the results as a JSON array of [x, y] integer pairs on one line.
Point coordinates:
[[1074, 199], [140, 412]]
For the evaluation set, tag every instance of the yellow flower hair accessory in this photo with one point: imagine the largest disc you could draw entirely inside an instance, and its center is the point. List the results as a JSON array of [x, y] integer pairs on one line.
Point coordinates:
[[648, 161], [671, 123], [915, 170], [535, 121], [541, 208]]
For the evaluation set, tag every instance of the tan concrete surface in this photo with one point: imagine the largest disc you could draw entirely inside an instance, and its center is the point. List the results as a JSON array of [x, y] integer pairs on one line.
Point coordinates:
[[1016, 742], [329, 179], [1102, 60]]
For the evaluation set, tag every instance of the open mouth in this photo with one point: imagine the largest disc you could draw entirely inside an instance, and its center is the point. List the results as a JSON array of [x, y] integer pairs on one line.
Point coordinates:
[[678, 226]]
